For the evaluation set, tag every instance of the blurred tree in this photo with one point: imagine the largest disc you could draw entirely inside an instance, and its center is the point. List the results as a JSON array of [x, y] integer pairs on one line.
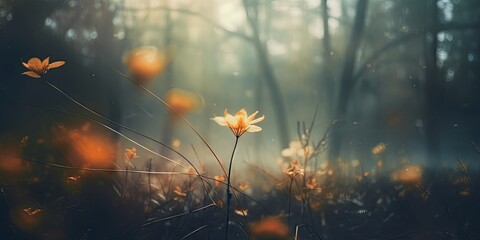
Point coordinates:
[[346, 79], [434, 84], [328, 58], [407, 59], [277, 100], [167, 132]]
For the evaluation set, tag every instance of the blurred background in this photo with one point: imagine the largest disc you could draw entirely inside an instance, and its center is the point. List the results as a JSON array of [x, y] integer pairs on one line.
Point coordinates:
[[399, 73]]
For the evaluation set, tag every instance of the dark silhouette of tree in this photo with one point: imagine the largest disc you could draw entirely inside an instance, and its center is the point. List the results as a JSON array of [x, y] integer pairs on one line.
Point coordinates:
[[346, 79], [277, 100], [327, 76], [433, 86]]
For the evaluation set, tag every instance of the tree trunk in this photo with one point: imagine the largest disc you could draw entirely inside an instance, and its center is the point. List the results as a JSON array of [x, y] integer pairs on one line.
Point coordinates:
[[108, 56], [433, 85], [271, 81], [259, 91], [328, 85], [346, 78]]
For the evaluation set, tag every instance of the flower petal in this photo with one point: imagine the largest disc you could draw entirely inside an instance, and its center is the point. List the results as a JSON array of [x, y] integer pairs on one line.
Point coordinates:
[[25, 65], [34, 61], [252, 116], [55, 64], [220, 120], [254, 128], [231, 120], [34, 64], [257, 120], [241, 114], [45, 63], [32, 74]]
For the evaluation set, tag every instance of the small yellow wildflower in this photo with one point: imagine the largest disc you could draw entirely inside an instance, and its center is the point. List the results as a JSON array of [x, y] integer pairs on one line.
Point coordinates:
[[244, 187], [130, 153], [32, 211], [379, 148], [178, 190], [191, 170], [38, 68], [218, 180], [410, 174], [72, 179], [379, 163], [312, 185], [241, 212], [301, 196], [240, 123], [294, 170]]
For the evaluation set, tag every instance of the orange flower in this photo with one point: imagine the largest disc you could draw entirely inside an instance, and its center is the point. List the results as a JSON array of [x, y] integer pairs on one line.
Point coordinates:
[[85, 146], [312, 185], [294, 170], [240, 123], [241, 212], [72, 179], [178, 190], [219, 179], [244, 187], [38, 68], [379, 148], [27, 219], [130, 153], [379, 163], [270, 228], [410, 174], [183, 101], [32, 211], [145, 63]]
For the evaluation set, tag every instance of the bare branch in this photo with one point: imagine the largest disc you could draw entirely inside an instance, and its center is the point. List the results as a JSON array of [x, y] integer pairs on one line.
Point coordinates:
[[194, 14], [407, 37]]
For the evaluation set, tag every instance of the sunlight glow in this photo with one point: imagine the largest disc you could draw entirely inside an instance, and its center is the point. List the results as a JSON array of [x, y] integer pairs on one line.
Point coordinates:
[[230, 14], [276, 48]]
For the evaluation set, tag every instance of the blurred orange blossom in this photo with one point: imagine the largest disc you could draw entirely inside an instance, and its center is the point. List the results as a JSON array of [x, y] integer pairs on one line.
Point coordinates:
[[146, 62], [183, 101], [270, 228]]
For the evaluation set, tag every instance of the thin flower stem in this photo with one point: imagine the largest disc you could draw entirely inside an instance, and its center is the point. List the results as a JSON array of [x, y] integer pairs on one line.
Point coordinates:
[[143, 135], [172, 173], [125, 183], [149, 187], [194, 231], [178, 114], [122, 126], [290, 202], [150, 222], [229, 194], [306, 157]]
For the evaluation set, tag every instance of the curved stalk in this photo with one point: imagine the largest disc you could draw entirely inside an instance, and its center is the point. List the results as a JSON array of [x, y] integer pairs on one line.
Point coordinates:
[[290, 203], [229, 194]]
